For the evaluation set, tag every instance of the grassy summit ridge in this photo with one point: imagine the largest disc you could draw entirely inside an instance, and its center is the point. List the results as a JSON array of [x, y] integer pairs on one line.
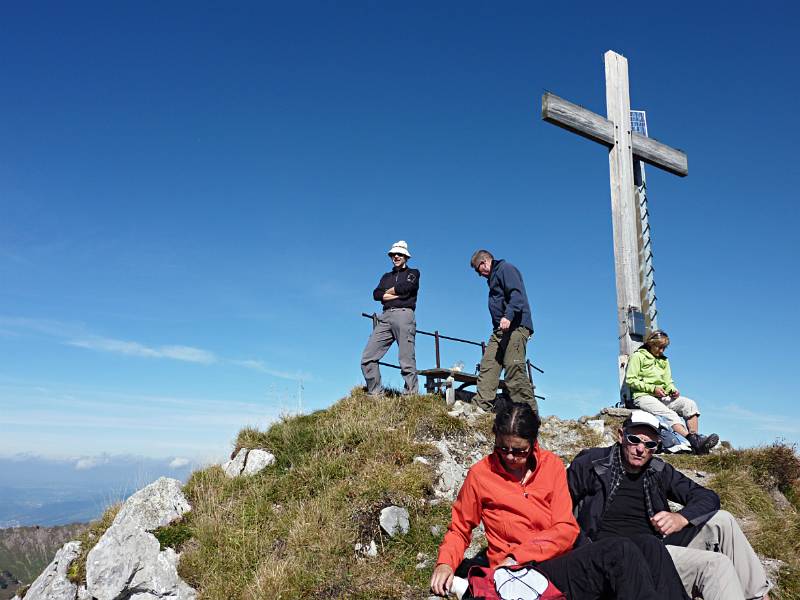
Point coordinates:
[[290, 531]]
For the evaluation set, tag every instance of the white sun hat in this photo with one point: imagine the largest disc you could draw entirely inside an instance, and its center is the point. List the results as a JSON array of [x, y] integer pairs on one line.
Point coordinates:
[[400, 248]]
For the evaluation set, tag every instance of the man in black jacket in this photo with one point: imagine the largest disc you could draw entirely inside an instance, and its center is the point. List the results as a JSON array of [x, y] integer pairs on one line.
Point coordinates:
[[513, 326], [397, 291], [624, 490]]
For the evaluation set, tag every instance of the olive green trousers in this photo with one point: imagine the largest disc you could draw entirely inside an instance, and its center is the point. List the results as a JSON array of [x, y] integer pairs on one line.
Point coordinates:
[[505, 351]]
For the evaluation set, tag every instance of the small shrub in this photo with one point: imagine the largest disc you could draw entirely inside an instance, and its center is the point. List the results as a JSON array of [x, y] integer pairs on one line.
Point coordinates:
[[174, 535]]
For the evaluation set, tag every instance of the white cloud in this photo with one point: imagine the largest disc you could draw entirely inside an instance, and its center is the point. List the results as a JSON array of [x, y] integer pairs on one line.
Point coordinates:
[[257, 365], [78, 336], [90, 462], [178, 462], [188, 354], [183, 353]]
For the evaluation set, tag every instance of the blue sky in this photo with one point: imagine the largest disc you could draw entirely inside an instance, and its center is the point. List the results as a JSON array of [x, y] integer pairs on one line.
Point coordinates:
[[197, 201]]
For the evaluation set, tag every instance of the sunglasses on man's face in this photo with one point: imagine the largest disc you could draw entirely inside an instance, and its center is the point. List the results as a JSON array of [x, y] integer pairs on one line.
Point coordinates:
[[396, 255], [635, 440], [517, 452]]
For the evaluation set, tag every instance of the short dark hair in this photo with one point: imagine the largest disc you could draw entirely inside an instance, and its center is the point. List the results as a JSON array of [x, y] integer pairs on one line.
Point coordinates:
[[517, 419], [478, 257]]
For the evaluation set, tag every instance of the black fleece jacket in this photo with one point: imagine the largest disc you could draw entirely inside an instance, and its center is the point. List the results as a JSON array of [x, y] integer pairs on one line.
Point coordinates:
[[405, 282], [589, 478]]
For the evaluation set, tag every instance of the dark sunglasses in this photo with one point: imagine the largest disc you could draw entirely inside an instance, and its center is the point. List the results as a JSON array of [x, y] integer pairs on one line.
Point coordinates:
[[517, 452], [635, 440], [393, 254]]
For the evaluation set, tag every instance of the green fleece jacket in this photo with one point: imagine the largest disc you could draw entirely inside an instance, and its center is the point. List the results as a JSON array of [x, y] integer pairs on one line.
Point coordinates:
[[646, 372]]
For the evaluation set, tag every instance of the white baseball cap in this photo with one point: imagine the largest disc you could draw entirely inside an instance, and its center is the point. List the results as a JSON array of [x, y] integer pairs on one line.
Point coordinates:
[[400, 248], [642, 418]]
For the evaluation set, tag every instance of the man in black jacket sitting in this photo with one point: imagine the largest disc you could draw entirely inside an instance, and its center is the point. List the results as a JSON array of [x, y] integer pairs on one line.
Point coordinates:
[[397, 291], [624, 490]]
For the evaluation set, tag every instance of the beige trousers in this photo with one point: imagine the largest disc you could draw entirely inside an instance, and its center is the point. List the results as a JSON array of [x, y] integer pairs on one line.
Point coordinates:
[[673, 410], [720, 564]]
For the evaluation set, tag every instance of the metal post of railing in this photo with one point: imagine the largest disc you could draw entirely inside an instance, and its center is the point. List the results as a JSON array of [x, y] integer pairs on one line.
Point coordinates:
[[530, 373], [438, 360]]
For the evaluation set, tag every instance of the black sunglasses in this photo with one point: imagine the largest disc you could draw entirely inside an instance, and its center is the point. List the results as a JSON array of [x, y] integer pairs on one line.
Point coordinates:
[[518, 452], [635, 440], [393, 254]]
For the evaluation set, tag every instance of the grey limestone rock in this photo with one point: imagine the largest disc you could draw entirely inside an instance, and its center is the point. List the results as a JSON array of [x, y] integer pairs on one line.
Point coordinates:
[[235, 466], [451, 474], [370, 550], [248, 462], [154, 506], [53, 584], [257, 460], [615, 411], [394, 520], [83, 593], [127, 562], [596, 425]]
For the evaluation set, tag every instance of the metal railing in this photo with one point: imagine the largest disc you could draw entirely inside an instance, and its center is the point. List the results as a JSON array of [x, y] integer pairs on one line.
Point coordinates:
[[440, 336]]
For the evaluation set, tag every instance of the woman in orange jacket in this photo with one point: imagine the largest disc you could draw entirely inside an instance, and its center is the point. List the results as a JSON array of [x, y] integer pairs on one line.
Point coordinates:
[[520, 493]]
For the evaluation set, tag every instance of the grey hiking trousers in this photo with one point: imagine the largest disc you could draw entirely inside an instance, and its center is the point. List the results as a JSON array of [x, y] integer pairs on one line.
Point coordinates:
[[394, 324], [719, 563]]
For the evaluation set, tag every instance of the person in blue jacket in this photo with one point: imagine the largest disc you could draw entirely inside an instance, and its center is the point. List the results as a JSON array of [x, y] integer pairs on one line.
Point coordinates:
[[513, 327]]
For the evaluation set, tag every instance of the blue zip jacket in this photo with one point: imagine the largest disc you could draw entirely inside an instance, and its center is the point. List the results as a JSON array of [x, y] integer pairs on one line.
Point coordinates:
[[507, 296]]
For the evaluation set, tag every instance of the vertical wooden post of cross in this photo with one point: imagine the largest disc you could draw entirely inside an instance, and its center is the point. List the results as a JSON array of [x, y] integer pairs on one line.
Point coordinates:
[[623, 201]]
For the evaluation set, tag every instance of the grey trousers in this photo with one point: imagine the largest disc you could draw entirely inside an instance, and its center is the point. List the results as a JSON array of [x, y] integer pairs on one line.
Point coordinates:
[[394, 324], [719, 563]]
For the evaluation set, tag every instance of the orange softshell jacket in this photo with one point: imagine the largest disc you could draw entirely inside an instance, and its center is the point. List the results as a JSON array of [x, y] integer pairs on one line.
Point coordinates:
[[532, 522]]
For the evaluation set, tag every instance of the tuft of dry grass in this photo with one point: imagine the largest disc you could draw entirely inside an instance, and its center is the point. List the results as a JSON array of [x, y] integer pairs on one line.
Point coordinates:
[[88, 539], [291, 530]]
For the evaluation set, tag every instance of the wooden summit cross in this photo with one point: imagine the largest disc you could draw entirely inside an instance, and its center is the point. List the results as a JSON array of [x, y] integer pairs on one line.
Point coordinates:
[[624, 146]]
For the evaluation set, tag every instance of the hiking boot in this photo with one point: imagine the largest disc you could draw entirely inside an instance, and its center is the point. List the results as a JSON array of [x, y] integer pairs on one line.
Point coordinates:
[[702, 444], [709, 441]]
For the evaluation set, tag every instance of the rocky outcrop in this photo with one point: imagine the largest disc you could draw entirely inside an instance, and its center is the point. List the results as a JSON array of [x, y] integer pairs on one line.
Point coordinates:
[[154, 506], [53, 584], [127, 561]]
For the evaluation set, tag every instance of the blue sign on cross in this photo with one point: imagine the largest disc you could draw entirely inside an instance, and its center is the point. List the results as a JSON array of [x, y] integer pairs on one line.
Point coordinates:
[[639, 122]]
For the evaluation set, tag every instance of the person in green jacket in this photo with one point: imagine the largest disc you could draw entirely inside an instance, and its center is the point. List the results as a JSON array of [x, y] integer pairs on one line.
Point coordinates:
[[649, 378]]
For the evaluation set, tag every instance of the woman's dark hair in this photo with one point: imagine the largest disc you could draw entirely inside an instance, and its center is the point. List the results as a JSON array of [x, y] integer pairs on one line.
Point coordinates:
[[517, 419]]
